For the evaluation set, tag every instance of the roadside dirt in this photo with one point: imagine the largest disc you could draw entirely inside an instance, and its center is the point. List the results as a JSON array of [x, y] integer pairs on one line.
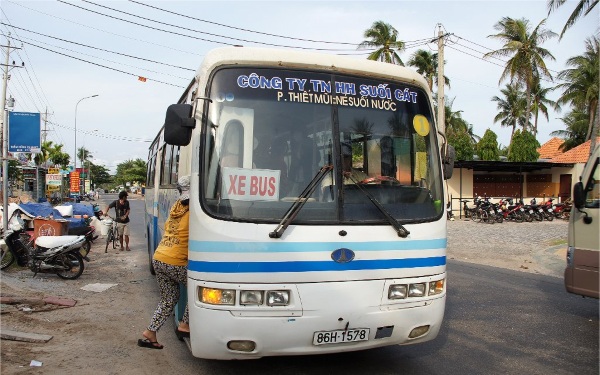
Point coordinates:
[[99, 334]]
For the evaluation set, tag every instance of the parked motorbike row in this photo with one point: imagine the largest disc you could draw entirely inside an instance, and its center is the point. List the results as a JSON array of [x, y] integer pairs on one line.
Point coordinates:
[[63, 255], [485, 211]]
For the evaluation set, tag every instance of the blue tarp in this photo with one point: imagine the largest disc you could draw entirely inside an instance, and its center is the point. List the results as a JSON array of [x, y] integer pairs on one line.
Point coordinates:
[[45, 210], [40, 209]]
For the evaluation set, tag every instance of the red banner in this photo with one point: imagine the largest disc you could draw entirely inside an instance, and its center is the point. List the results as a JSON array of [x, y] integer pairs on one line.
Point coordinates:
[[74, 182]]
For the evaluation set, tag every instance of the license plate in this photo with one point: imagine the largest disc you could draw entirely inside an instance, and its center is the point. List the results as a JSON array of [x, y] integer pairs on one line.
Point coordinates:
[[550, 210], [540, 210], [530, 211], [340, 336]]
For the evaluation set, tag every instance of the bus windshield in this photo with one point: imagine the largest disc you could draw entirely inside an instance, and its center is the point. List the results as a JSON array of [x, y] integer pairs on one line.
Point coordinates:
[[268, 132]]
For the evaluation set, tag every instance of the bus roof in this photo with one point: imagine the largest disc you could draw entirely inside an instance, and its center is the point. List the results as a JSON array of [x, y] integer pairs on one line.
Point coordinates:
[[293, 59]]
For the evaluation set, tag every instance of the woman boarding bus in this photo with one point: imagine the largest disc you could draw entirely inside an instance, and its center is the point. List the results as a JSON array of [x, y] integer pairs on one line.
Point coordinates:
[[292, 249]]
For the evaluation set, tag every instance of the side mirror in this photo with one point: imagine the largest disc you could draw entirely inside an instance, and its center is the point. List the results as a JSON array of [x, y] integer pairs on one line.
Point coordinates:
[[448, 162], [179, 124], [578, 195]]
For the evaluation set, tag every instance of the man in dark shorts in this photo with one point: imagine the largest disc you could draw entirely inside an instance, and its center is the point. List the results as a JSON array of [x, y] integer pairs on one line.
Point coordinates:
[[122, 210]]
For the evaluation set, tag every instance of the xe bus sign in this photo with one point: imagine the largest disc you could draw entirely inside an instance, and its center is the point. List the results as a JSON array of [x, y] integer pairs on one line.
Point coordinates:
[[24, 132], [250, 184]]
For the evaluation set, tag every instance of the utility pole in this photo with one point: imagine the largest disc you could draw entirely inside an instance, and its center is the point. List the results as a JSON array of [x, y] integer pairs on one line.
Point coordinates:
[[4, 121], [45, 131], [441, 107]]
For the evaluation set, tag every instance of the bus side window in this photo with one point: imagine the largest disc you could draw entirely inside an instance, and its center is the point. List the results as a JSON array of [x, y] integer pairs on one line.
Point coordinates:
[[232, 148]]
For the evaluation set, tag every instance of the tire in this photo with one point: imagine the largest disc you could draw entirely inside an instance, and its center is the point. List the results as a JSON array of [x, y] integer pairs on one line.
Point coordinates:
[[6, 258], [73, 262], [499, 218], [152, 270], [482, 216], [519, 217], [109, 236], [85, 249], [548, 216], [527, 217], [114, 238]]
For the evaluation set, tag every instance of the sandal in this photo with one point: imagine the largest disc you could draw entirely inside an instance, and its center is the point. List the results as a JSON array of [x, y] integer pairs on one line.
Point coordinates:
[[181, 334], [145, 343]]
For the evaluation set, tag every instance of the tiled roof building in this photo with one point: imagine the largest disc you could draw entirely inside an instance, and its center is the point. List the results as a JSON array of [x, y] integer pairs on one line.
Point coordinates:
[[579, 154], [550, 149]]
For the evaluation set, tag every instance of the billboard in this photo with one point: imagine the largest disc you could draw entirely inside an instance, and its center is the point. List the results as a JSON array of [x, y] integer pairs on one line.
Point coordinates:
[[75, 182], [24, 132]]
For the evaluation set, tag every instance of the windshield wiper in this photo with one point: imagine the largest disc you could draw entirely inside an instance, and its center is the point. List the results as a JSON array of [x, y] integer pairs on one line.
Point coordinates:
[[295, 208], [402, 232]]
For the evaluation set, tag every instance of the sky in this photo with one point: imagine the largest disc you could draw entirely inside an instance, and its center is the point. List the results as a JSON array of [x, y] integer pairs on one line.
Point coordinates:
[[76, 49]]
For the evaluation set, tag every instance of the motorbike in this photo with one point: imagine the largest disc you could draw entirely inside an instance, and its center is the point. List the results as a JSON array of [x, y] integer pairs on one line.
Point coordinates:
[[449, 213], [97, 211], [88, 232], [512, 212], [50, 254]]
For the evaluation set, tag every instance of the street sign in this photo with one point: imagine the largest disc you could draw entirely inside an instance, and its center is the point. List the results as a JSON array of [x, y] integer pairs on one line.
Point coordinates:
[[24, 132], [74, 188], [53, 179]]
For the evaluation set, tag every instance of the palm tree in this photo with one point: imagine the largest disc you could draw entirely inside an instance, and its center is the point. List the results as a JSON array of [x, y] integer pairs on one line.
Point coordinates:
[[83, 154], [527, 54], [583, 7], [427, 65], [383, 37], [455, 124], [581, 85], [576, 122], [511, 108], [44, 156], [540, 102]]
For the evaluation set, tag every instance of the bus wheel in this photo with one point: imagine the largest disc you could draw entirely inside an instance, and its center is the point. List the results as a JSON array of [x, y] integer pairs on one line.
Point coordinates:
[[152, 271]]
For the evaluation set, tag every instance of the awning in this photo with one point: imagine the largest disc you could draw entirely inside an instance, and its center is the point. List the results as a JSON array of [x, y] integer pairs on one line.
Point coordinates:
[[506, 166]]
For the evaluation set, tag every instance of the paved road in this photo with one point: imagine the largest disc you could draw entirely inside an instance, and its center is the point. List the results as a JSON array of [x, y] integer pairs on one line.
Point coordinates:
[[508, 320], [536, 247]]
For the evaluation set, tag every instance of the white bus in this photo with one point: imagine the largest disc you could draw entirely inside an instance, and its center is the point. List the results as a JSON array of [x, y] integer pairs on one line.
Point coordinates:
[[317, 221]]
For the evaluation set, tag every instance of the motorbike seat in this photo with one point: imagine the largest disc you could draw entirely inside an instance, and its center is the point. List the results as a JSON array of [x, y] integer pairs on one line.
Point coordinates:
[[54, 241]]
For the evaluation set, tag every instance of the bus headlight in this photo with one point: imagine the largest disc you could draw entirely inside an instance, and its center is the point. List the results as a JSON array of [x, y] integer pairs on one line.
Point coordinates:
[[416, 290], [251, 297], [397, 292], [278, 297], [436, 287], [216, 296]]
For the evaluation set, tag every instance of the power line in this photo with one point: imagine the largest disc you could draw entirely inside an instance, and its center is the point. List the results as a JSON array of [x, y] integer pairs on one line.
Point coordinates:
[[101, 135], [104, 66], [184, 28], [26, 40], [239, 28], [100, 49], [104, 31]]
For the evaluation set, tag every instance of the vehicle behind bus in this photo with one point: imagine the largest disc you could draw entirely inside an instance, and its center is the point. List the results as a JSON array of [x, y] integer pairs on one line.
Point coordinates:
[[581, 273]]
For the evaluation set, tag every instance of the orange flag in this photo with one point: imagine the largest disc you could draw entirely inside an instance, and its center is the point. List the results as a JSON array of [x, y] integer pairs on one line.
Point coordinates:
[[143, 79]]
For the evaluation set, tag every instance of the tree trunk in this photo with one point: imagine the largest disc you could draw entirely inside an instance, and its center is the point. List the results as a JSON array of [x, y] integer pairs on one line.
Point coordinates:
[[528, 109], [537, 112]]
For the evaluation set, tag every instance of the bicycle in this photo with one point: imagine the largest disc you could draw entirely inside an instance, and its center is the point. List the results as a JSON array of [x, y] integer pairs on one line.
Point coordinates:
[[112, 235]]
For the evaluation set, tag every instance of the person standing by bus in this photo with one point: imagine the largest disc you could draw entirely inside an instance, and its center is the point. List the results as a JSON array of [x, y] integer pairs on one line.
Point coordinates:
[[170, 263], [122, 211]]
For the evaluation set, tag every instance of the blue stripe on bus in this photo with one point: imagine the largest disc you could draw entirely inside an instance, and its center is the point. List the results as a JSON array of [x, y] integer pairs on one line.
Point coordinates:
[[291, 247], [312, 266]]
